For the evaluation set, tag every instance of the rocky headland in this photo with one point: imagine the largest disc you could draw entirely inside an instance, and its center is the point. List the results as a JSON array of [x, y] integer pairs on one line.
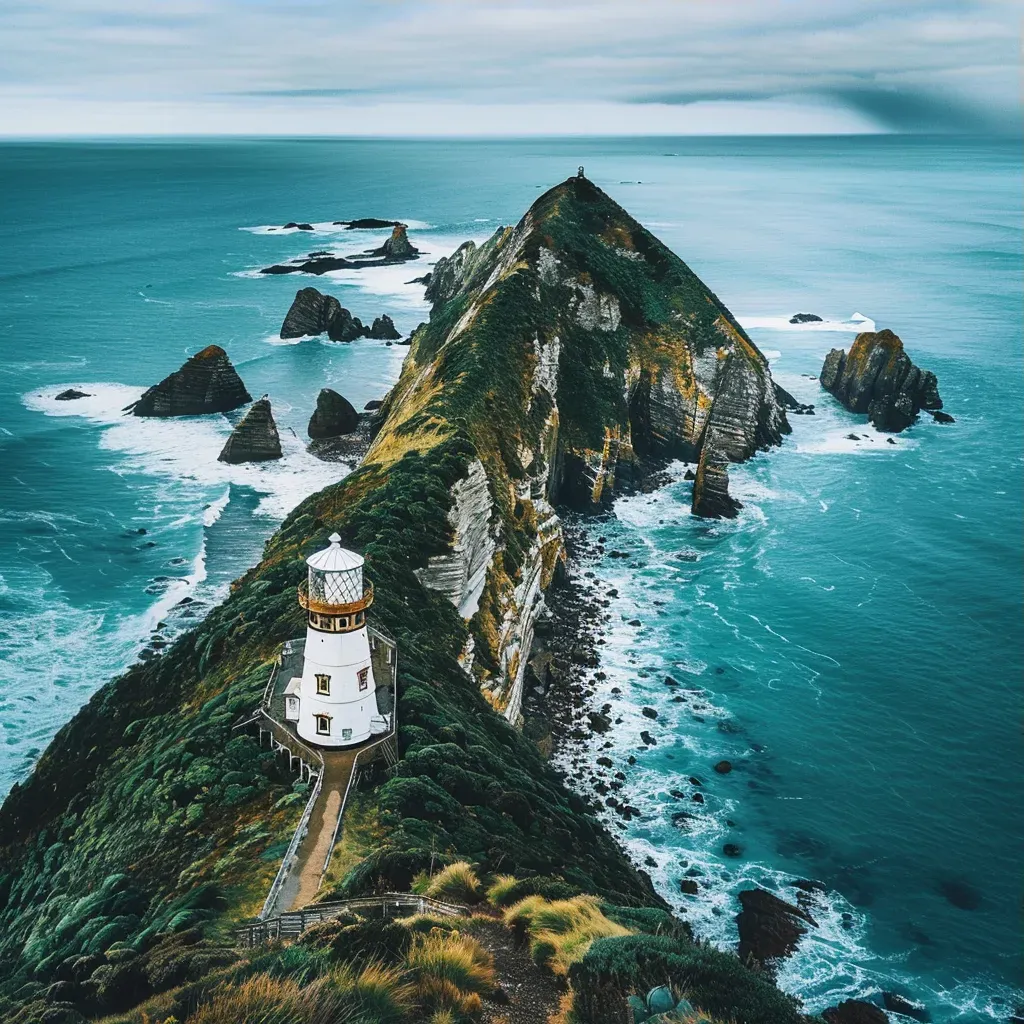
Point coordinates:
[[206, 383], [564, 360], [877, 377], [255, 438]]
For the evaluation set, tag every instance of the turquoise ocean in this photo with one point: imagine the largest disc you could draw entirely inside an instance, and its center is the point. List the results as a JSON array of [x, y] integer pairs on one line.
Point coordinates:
[[854, 638]]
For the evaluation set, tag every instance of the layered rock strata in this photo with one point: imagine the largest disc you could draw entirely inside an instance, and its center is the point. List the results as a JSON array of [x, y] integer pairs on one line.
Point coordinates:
[[206, 383], [878, 378], [573, 351], [255, 439]]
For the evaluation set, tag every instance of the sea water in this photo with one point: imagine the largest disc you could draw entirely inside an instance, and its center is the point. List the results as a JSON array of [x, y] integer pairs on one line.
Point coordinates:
[[852, 641]]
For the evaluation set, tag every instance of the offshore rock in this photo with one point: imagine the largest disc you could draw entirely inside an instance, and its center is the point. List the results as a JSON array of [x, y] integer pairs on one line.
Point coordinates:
[[255, 439], [805, 318], [312, 313], [878, 378], [383, 329], [769, 927], [397, 248], [334, 415], [206, 383], [367, 223], [71, 395], [711, 498]]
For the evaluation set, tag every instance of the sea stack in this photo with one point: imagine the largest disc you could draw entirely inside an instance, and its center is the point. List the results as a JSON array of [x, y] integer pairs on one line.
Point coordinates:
[[398, 248], [333, 417], [383, 329], [711, 498], [206, 383], [312, 312], [878, 378], [255, 439]]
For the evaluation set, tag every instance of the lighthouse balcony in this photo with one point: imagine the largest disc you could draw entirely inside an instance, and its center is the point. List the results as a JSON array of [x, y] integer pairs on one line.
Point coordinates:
[[318, 606]]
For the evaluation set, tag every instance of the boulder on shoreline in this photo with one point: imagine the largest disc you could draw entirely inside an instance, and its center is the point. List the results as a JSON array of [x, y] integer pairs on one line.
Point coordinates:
[[769, 927], [334, 416], [255, 439], [206, 383], [878, 378]]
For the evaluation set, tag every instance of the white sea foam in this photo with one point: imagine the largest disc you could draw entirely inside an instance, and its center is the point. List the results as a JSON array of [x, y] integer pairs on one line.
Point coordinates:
[[184, 449], [855, 324]]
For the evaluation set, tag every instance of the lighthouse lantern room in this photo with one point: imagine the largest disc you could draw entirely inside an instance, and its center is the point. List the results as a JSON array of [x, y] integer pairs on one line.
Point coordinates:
[[333, 702]]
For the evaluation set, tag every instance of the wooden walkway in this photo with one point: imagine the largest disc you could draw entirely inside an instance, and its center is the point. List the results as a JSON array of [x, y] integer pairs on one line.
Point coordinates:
[[304, 879]]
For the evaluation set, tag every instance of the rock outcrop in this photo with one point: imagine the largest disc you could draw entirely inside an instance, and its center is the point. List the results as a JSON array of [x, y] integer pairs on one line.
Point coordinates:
[[854, 1011], [367, 223], [711, 498], [769, 927], [255, 439], [383, 329], [206, 383], [334, 416], [71, 395], [805, 318], [878, 378], [398, 248], [575, 353], [312, 312]]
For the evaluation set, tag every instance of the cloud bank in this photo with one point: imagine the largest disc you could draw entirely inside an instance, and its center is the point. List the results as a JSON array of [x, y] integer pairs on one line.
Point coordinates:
[[478, 67]]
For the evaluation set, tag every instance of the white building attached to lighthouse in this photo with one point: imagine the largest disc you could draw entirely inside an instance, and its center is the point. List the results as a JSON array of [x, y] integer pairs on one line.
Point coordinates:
[[333, 703]]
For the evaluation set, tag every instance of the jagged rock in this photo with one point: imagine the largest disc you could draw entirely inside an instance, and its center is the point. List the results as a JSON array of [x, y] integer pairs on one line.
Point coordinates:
[[397, 248], [854, 1011], [70, 395], [450, 273], [877, 377], [312, 312], [255, 439], [769, 927], [206, 383], [688, 887], [937, 415], [384, 329], [805, 318], [334, 415], [711, 498]]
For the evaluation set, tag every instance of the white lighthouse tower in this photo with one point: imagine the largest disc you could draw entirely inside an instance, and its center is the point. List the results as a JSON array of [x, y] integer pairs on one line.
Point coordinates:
[[334, 703]]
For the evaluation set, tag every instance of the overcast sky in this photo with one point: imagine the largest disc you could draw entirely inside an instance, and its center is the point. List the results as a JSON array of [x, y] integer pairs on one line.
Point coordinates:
[[411, 67]]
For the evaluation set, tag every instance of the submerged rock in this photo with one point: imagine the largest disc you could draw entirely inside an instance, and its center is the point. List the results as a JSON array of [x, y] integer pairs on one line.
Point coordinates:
[[334, 415], [855, 1011], [907, 1007], [877, 377], [70, 395], [206, 383], [769, 927], [255, 439]]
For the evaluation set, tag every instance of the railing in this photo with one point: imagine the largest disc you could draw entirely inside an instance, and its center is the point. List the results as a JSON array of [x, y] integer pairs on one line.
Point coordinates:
[[311, 604], [291, 853], [294, 923]]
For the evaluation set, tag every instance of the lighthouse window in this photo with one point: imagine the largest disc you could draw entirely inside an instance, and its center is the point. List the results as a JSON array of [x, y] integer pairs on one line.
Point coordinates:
[[323, 684], [360, 618], [346, 734], [343, 622], [323, 725], [364, 680]]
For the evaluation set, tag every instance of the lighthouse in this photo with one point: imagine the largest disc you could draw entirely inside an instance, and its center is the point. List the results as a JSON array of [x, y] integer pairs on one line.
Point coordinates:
[[333, 703]]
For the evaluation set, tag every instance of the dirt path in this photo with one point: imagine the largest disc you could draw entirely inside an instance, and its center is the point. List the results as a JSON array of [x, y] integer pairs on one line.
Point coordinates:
[[533, 991], [304, 879]]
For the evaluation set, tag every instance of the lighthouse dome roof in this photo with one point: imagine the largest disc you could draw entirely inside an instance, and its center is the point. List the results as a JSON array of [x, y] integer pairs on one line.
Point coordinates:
[[335, 558]]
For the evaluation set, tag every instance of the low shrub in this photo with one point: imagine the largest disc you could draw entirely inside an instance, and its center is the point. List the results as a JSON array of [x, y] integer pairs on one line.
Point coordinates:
[[512, 891]]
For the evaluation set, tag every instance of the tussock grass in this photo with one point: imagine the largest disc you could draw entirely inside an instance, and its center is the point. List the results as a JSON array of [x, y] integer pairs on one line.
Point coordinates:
[[499, 889], [561, 931], [452, 972], [457, 882], [425, 923]]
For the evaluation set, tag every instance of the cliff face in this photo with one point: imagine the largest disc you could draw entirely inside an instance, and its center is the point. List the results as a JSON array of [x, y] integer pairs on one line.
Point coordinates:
[[572, 351], [878, 378], [206, 383]]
